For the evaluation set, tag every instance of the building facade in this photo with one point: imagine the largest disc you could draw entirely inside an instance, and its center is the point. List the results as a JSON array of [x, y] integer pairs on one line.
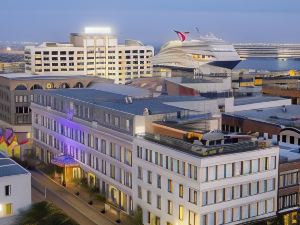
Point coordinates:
[[15, 187], [175, 187], [288, 191], [16, 93], [91, 54], [111, 137]]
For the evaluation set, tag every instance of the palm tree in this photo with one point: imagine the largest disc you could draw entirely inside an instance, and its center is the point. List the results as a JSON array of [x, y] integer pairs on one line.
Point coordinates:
[[44, 213]]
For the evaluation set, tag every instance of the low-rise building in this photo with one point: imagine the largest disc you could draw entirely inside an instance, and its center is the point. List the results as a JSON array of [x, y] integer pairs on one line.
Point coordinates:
[[267, 123], [283, 86], [16, 95], [115, 141], [15, 188], [289, 186]]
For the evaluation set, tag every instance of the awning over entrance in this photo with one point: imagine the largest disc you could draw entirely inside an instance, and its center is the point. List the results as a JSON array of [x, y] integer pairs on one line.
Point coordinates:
[[64, 161]]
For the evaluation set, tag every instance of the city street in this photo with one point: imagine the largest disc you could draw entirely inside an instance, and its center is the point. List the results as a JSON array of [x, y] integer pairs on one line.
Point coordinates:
[[70, 204]]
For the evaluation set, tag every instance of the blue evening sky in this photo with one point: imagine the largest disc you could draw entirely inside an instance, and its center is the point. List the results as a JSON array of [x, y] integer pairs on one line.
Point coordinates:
[[152, 21]]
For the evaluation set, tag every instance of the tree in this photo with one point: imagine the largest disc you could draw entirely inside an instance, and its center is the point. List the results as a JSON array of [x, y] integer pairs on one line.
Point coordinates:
[[44, 213]]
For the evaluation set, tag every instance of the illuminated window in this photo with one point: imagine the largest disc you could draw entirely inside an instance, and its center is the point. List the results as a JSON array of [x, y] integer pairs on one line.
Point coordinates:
[[180, 212], [5, 209], [170, 207]]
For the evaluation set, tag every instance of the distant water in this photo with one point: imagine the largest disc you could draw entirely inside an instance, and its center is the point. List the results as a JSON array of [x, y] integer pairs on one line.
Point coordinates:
[[269, 64]]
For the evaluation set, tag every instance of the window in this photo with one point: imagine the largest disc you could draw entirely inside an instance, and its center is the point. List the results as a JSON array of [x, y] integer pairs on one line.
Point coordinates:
[[140, 173], [139, 152], [254, 165], [193, 196], [204, 198], [6, 209], [246, 167], [158, 202], [180, 190], [228, 170], [245, 190], [158, 181], [237, 168], [220, 195], [245, 211], [292, 140], [221, 171], [140, 196], [170, 207], [8, 190], [180, 212], [149, 177], [117, 121], [284, 138], [273, 163], [127, 124], [254, 188], [212, 172], [237, 192], [228, 215], [149, 197], [170, 186], [228, 193], [253, 209]]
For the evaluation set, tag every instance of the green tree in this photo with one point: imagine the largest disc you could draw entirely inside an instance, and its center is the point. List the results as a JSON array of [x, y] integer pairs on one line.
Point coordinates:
[[44, 213]]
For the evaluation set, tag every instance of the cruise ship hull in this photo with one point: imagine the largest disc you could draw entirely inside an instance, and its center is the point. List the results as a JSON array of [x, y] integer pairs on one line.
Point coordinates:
[[225, 64], [197, 54]]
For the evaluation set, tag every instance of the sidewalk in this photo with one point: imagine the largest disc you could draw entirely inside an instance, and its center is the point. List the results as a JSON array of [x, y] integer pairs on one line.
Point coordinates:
[[84, 197]]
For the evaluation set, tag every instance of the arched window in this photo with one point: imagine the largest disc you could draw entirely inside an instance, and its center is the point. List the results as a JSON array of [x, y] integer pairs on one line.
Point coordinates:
[[78, 85], [21, 87], [36, 86], [64, 85]]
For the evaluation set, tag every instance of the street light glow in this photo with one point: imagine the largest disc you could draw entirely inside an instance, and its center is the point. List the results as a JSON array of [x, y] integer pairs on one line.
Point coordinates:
[[97, 30]]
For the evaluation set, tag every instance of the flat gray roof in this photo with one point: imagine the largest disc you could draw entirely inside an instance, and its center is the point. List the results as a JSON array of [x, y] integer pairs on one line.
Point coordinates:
[[289, 154], [276, 115], [8, 167], [117, 101], [256, 99], [121, 89]]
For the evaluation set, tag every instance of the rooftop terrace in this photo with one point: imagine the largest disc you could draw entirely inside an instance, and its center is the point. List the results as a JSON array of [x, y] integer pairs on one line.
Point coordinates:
[[201, 150]]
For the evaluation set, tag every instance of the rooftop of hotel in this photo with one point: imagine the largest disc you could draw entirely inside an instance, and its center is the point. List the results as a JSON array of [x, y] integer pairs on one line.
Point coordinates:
[[256, 99], [105, 99], [202, 150], [281, 115], [8, 167]]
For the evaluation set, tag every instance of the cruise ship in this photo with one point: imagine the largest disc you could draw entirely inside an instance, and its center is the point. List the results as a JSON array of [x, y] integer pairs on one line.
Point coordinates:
[[193, 54], [268, 50]]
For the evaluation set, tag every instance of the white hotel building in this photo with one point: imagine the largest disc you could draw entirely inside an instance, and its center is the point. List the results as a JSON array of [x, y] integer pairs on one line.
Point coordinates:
[[97, 54], [173, 181]]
